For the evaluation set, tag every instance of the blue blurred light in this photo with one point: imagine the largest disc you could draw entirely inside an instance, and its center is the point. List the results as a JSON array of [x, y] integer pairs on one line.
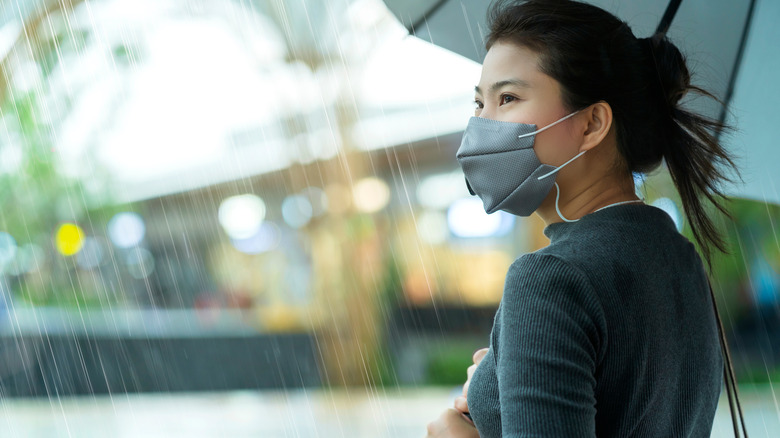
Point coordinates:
[[29, 258], [140, 263], [296, 211], [7, 249], [265, 239], [466, 217], [126, 229]]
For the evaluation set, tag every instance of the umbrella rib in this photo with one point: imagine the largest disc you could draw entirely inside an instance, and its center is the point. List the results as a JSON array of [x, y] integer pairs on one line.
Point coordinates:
[[737, 62], [666, 20]]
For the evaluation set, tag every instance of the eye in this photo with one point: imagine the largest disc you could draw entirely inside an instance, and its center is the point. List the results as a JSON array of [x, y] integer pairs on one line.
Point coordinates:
[[505, 96], [478, 104]]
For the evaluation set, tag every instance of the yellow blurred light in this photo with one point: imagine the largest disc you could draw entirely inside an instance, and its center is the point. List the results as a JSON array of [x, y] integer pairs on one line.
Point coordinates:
[[69, 239], [371, 194]]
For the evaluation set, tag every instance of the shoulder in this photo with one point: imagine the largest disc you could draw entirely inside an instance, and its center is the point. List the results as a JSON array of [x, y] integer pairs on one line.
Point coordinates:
[[537, 280], [541, 266]]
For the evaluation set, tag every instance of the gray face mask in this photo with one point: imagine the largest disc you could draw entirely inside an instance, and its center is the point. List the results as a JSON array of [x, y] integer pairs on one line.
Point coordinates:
[[501, 167]]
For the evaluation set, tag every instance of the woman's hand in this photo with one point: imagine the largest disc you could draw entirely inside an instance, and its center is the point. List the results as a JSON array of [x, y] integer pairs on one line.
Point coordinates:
[[460, 402], [451, 424]]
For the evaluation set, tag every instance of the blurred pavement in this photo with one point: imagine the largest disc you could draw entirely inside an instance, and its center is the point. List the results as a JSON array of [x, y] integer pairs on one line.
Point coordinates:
[[358, 412]]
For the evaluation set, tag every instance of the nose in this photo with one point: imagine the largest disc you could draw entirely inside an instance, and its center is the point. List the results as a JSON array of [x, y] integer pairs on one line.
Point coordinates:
[[484, 114]]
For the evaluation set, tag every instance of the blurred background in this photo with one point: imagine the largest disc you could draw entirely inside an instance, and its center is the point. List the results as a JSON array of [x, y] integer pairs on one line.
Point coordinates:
[[245, 218]]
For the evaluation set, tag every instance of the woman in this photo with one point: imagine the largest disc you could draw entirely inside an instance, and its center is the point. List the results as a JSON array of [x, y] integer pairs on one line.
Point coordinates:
[[609, 331]]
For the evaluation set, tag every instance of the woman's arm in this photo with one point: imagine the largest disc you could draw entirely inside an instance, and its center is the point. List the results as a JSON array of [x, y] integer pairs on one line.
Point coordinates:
[[548, 350]]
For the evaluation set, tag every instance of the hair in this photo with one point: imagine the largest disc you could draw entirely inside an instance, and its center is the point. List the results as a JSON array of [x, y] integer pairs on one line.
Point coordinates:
[[596, 57]]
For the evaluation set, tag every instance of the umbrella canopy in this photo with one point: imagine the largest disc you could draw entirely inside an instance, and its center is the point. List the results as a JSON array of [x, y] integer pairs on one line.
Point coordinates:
[[727, 44]]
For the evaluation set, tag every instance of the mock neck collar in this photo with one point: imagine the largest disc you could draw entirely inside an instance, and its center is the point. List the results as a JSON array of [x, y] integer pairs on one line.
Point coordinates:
[[643, 213]]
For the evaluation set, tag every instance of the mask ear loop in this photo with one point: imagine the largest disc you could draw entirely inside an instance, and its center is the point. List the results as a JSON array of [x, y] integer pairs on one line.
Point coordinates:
[[548, 126], [561, 166], [557, 189], [557, 195]]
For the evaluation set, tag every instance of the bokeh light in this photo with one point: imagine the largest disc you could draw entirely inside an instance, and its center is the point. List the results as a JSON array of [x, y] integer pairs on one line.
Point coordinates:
[[466, 217], [126, 229], [29, 258], [266, 239], [241, 215], [371, 195], [432, 227], [296, 211], [440, 190], [140, 263], [7, 249], [91, 255], [69, 239]]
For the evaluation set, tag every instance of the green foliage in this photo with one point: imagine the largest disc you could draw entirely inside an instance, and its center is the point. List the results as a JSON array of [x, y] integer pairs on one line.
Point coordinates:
[[35, 198], [449, 362], [27, 197], [759, 375]]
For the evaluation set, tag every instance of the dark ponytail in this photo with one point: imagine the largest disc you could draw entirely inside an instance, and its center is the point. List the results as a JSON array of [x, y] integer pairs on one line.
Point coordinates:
[[596, 57], [692, 152]]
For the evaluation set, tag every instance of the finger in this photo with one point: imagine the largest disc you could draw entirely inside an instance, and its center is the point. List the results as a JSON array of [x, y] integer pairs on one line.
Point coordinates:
[[434, 427], [479, 354], [470, 371], [461, 404], [430, 429], [465, 388]]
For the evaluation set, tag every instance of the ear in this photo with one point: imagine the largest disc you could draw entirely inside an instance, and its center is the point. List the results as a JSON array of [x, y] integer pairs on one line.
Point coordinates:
[[598, 121]]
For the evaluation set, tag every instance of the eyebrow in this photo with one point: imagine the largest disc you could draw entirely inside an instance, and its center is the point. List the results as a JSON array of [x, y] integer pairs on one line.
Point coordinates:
[[516, 82]]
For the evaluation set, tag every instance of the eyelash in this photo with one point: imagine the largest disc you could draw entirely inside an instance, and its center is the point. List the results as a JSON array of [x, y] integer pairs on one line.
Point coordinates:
[[479, 104]]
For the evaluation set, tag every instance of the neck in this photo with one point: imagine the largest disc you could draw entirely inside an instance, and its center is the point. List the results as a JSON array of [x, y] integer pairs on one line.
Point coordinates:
[[575, 203]]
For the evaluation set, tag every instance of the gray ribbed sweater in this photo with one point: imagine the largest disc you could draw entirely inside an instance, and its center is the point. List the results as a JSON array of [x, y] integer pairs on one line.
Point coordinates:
[[608, 331]]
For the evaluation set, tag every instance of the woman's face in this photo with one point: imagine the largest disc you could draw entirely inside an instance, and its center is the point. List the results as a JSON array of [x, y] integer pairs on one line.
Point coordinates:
[[512, 89]]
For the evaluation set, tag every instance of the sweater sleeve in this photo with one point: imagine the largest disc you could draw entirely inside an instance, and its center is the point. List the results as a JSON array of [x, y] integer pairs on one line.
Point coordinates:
[[549, 344]]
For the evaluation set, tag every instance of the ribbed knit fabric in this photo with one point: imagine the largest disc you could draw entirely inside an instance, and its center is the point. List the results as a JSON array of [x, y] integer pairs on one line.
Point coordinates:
[[608, 331]]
